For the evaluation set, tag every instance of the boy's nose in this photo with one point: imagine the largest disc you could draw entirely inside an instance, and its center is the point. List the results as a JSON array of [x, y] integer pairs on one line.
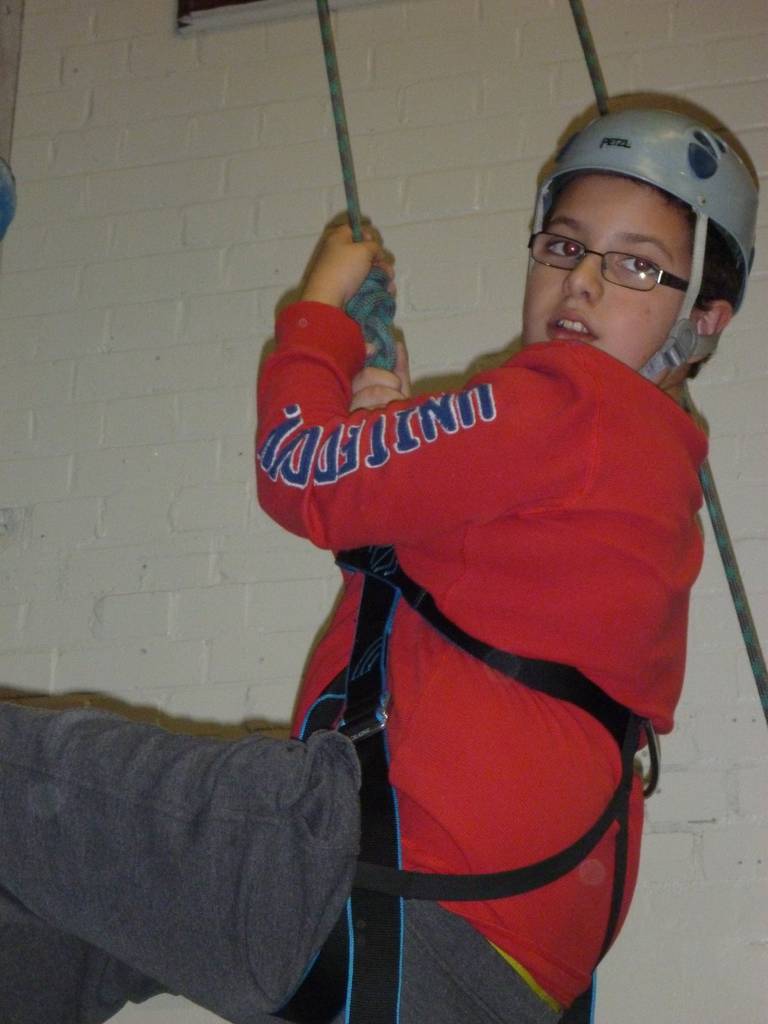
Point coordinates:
[[586, 279]]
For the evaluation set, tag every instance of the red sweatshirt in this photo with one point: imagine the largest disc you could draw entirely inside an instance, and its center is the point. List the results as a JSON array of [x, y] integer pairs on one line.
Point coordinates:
[[549, 507]]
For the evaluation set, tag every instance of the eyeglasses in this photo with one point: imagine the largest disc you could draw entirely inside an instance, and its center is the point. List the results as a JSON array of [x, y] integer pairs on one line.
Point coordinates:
[[620, 268]]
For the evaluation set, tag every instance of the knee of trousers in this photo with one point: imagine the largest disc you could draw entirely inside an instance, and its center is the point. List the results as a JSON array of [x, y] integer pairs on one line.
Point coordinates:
[[277, 881], [308, 867], [216, 868]]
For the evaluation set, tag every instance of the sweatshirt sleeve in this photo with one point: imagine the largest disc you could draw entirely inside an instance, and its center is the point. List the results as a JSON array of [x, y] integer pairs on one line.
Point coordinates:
[[516, 440]]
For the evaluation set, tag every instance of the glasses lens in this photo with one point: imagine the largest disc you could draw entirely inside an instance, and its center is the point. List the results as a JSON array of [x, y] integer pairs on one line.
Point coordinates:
[[556, 250], [630, 271]]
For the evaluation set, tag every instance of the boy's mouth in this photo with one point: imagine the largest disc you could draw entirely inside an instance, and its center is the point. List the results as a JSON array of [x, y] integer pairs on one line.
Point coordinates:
[[566, 328]]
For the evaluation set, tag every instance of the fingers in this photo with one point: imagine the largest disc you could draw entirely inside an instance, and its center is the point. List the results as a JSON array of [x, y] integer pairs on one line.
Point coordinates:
[[374, 376], [374, 397], [373, 388], [372, 242], [402, 369], [397, 380], [385, 261], [341, 265]]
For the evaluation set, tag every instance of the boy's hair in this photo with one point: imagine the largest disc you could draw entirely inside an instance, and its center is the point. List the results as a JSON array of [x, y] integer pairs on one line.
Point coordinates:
[[720, 277]]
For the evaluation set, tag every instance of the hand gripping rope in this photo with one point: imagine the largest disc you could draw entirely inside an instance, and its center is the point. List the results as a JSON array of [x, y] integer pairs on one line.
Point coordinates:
[[372, 306]]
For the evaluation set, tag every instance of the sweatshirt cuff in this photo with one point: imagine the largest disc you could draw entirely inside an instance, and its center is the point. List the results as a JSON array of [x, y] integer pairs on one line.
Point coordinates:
[[325, 329]]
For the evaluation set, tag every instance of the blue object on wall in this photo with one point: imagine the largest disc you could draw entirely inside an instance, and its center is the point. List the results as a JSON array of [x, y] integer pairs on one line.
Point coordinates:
[[7, 197]]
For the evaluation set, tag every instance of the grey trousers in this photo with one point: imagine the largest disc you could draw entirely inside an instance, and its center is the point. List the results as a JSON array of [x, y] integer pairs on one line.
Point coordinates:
[[134, 861]]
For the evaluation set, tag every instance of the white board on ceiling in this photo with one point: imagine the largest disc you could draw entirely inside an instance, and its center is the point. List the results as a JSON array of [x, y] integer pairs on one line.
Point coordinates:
[[201, 14]]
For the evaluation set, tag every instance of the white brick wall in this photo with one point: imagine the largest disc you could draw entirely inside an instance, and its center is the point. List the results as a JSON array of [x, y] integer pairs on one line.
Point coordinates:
[[170, 191]]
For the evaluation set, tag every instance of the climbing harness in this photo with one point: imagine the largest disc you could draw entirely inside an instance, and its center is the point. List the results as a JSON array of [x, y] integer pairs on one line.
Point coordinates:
[[361, 964]]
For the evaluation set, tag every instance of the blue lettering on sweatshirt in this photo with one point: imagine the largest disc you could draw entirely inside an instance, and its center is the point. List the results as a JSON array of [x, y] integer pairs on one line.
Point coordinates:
[[379, 453], [293, 453], [436, 415], [406, 442]]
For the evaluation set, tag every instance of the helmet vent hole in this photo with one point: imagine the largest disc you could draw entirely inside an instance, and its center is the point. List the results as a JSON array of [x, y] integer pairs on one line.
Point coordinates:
[[705, 140], [702, 157]]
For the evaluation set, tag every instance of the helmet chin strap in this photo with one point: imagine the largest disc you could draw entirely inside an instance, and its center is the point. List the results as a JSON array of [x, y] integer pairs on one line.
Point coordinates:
[[684, 342]]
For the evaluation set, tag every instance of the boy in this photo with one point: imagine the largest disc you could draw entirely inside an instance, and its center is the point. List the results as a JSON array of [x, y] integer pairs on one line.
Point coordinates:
[[549, 509]]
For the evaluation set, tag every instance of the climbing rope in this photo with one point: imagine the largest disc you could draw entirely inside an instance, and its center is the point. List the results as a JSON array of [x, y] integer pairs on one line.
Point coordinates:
[[590, 55], [733, 575], [707, 480], [736, 585], [372, 306]]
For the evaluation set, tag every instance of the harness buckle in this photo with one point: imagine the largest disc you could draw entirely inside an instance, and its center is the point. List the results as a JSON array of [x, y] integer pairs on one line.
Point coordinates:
[[368, 723], [651, 772]]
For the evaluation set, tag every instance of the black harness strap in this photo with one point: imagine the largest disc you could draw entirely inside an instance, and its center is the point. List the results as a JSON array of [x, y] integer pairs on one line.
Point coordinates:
[[360, 963], [550, 677], [365, 944]]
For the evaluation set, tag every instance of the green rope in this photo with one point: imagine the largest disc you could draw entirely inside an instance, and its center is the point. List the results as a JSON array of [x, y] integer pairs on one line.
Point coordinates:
[[372, 306], [590, 56], [733, 575], [736, 585]]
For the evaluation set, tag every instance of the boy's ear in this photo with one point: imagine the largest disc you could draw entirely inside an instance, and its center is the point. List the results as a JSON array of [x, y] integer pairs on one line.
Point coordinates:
[[714, 319]]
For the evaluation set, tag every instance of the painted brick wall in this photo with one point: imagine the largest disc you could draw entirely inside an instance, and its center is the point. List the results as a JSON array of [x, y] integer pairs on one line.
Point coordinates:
[[170, 190]]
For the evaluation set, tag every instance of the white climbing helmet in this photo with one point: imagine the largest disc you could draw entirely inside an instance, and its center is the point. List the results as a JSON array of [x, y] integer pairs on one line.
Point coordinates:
[[689, 161]]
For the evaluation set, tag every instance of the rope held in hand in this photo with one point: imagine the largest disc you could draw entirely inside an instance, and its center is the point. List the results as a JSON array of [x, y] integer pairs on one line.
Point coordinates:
[[372, 306]]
